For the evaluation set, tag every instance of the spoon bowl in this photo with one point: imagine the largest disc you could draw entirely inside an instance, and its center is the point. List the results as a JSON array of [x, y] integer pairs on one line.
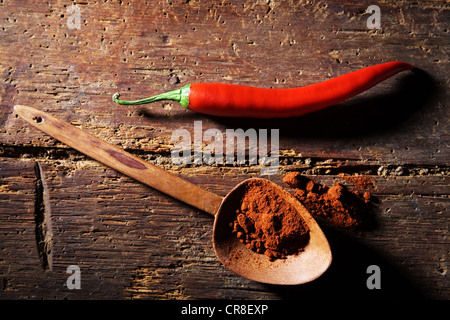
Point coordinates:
[[295, 269], [303, 267]]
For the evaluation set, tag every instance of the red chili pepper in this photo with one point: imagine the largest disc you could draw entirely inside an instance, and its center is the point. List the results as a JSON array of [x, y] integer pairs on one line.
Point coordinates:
[[230, 100]]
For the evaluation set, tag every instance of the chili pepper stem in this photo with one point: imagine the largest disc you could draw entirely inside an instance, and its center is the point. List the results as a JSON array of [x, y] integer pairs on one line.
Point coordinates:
[[179, 95]]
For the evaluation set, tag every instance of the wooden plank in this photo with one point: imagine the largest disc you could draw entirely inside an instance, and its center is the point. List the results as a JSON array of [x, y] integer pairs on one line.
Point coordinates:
[[73, 73], [132, 242]]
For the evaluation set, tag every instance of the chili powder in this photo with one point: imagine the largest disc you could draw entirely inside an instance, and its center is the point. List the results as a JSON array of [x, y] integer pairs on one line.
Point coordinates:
[[268, 224], [337, 205]]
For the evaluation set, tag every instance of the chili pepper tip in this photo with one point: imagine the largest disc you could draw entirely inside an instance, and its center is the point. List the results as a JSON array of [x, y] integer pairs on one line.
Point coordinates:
[[115, 97]]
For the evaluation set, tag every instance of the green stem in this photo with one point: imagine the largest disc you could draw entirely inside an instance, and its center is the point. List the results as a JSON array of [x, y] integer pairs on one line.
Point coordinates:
[[179, 95]]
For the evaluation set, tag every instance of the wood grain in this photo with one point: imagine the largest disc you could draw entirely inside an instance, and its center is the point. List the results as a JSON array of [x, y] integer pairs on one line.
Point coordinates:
[[132, 242]]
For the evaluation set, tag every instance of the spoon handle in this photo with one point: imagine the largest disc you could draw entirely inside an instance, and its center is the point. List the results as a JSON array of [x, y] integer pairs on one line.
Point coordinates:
[[121, 160]]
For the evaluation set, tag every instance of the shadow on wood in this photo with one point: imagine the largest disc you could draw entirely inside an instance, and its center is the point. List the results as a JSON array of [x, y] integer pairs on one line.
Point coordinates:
[[348, 275]]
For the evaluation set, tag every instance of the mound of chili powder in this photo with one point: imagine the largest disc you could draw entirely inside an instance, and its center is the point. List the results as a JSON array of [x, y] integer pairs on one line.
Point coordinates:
[[268, 224], [337, 205]]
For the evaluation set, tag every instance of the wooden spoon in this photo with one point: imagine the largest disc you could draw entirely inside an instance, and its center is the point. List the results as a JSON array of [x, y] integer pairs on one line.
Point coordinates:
[[296, 269]]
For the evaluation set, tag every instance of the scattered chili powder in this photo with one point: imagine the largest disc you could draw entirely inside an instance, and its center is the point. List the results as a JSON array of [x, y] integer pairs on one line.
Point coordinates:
[[360, 182], [268, 224], [337, 205]]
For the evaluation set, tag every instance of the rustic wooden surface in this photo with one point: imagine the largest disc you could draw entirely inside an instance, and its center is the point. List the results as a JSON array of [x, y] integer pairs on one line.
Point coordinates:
[[59, 208]]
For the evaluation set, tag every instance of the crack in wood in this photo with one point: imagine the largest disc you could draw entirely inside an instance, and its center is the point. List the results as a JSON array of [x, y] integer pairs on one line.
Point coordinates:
[[306, 165], [43, 230]]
